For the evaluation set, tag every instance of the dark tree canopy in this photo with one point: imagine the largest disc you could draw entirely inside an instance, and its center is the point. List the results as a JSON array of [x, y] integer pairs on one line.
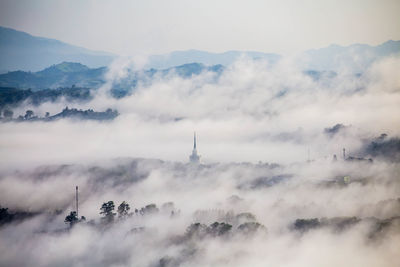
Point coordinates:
[[71, 219], [29, 114], [198, 230], [107, 211], [123, 210], [219, 229], [249, 228], [149, 209]]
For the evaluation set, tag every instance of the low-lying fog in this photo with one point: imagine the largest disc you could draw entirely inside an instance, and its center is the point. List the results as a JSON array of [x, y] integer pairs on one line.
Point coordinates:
[[267, 136]]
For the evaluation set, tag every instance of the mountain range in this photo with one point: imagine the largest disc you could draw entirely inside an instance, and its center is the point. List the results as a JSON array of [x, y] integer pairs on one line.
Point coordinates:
[[353, 58], [70, 74], [65, 74], [177, 58], [22, 51]]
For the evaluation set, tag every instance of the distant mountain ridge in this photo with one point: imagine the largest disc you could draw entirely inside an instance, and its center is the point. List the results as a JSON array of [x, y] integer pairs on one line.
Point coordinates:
[[355, 57], [22, 51], [70, 74], [65, 74], [177, 58], [65, 67]]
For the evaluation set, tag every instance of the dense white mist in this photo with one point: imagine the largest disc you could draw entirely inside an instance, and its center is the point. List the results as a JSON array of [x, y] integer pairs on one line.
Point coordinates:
[[252, 112], [206, 189]]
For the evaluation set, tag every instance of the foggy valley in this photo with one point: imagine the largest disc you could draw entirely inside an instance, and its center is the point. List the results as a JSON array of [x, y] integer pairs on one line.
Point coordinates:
[[267, 177], [195, 158]]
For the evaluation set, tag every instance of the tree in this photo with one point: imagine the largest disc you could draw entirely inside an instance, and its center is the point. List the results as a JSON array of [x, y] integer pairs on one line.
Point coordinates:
[[71, 219], [29, 114], [123, 210], [196, 230], [5, 216], [149, 209], [251, 228], [219, 229], [107, 211], [8, 114]]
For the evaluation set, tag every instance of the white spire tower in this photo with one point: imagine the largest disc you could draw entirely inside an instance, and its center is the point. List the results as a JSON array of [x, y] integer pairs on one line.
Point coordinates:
[[194, 158]]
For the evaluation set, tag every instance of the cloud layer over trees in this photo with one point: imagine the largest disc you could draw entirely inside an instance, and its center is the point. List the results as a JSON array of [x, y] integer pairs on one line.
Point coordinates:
[[301, 208]]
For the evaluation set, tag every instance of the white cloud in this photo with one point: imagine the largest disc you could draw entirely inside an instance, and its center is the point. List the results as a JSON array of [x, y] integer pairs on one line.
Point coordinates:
[[251, 113]]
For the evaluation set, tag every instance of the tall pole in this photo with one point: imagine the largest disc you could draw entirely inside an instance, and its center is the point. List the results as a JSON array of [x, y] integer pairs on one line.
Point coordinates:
[[76, 198], [344, 153]]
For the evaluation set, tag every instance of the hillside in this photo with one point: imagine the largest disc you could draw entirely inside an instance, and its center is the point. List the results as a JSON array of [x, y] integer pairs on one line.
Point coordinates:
[[66, 74], [70, 74]]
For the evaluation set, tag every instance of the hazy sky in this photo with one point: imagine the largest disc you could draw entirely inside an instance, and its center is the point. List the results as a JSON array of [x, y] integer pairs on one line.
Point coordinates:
[[130, 27]]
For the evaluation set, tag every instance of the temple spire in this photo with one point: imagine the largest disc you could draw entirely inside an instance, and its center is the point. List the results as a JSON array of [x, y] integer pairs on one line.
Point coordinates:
[[194, 158], [194, 141]]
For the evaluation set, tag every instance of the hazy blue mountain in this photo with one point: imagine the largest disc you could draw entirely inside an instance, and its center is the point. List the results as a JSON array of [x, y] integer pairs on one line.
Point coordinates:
[[353, 58], [22, 51], [187, 70], [69, 74], [146, 77], [65, 74], [12, 97], [207, 58]]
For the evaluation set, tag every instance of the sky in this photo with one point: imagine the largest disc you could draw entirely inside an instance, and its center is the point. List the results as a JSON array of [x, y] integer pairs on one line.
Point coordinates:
[[132, 27]]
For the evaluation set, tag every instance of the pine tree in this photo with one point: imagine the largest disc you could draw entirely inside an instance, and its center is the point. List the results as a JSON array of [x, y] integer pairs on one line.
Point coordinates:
[[123, 210], [107, 211], [71, 219]]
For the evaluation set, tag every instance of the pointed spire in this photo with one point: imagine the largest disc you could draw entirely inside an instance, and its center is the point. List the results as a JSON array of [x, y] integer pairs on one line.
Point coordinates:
[[194, 141], [194, 158]]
